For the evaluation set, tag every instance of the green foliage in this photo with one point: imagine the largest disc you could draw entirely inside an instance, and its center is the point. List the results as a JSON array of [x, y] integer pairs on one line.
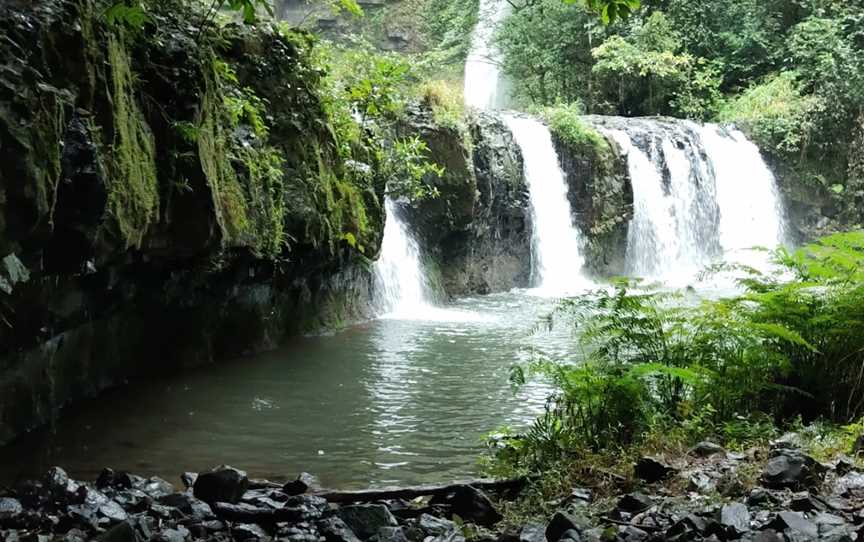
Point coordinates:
[[791, 345], [446, 101], [565, 122], [133, 16], [774, 113], [408, 169], [133, 190]]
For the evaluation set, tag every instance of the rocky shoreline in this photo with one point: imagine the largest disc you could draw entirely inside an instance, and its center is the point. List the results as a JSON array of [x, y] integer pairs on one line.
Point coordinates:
[[766, 495]]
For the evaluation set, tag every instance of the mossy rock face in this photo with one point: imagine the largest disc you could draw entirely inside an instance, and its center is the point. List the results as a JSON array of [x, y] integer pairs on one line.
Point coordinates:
[[477, 232], [141, 204], [601, 199]]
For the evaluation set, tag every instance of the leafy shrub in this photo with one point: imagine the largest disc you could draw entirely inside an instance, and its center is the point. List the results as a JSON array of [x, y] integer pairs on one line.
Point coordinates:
[[445, 100], [565, 122], [733, 367], [774, 113]]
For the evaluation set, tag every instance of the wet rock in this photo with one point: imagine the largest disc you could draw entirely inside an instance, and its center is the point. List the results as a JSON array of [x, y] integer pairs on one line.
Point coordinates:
[[59, 486], [223, 484], [707, 449], [188, 505], [571, 535], [366, 519], [635, 502], [735, 518], [244, 513], [122, 532], [302, 484], [850, 485], [652, 469], [179, 534], [10, 510], [532, 532], [797, 523], [472, 505], [249, 532], [791, 469], [188, 479], [768, 535], [154, 486], [804, 502], [435, 526], [391, 534], [307, 507], [561, 523], [333, 529]]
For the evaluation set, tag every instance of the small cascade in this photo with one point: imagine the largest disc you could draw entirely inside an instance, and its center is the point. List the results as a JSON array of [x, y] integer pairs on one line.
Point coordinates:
[[558, 261], [701, 194], [483, 84], [401, 286]]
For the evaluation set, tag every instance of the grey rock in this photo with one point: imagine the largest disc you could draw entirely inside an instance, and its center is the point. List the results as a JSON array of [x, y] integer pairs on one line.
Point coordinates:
[[571, 535], [736, 518], [635, 502], [707, 449], [435, 526], [179, 534], [333, 529], [59, 486], [472, 505], [10, 509], [366, 519], [804, 502], [560, 523], [533, 532], [155, 487], [302, 484], [850, 485], [188, 479], [249, 532], [791, 469], [652, 469], [797, 523], [222, 484], [188, 505], [391, 534]]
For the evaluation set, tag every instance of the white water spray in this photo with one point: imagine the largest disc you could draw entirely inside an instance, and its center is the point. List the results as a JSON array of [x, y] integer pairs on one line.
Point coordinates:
[[401, 285], [557, 242], [483, 85], [701, 194]]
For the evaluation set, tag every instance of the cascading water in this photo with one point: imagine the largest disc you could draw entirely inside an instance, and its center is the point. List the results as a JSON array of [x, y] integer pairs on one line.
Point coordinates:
[[557, 242], [402, 288], [701, 194], [483, 85]]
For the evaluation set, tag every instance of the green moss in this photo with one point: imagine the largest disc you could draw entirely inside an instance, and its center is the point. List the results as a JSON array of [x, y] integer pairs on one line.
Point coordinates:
[[565, 123], [133, 188]]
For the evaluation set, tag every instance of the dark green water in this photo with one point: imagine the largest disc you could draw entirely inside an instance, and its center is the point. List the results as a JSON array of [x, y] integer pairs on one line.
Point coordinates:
[[386, 402]]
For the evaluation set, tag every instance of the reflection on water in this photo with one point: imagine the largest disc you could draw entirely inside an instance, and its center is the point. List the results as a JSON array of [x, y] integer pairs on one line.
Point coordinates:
[[390, 401]]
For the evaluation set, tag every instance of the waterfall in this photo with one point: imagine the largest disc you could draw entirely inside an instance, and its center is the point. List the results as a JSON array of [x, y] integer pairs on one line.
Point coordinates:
[[557, 243], [401, 286], [483, 85], [701, 194]]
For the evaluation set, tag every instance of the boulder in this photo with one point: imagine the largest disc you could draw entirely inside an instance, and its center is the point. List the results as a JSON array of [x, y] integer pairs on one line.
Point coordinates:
[[635, 502], [222, 484], [532, 532], [707, 449], [652, 469], [249, 532], [302, 484], [562, 522], [791, 469], [10, 510], [391, 534], [188, 504], [735, 517], [472, 505], [333, 529], [366, 519], [797, 523]]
